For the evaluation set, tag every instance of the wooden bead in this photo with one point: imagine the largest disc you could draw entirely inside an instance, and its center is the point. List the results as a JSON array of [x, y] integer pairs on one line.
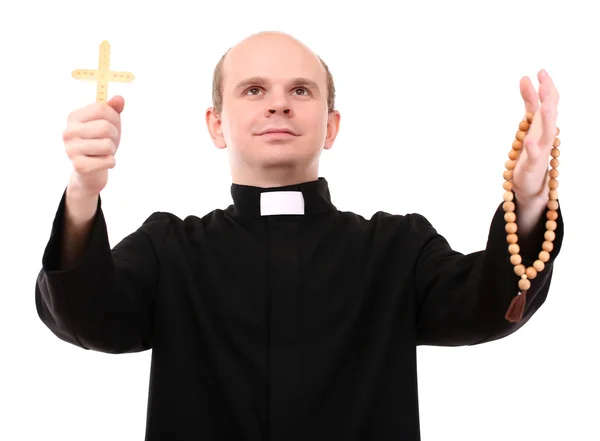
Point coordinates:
[[529, 116], [517, 145], [508, 186], [555, 153], [508, 175], [544, 256], [508, 206], [531, 273], [520, 270], [512, 238], [550, 236], [552, 215], [552, 205], [554, 162], [510, 164], [510, 217], [511, 228], [551, 225], [513, 154], [508, 196], [520, 136], [553, 195], [514, 248], [524, 284], [547, 246], [553, 184], [539, 266], [553, 173], [515, 259], [524, 126], [556, 142]]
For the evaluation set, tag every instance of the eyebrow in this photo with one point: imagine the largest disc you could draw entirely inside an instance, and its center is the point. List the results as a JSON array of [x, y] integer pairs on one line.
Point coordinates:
[[262, 81]]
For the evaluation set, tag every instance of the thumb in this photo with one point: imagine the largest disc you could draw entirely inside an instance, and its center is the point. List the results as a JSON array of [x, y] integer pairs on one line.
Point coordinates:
[[117, 103]]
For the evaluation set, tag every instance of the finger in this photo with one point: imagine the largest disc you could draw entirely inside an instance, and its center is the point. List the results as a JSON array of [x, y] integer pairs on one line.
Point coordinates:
[[548, 113], [95, 111], [91, 147], [84, 165], [547, 87], [96, 129], [529, 95]]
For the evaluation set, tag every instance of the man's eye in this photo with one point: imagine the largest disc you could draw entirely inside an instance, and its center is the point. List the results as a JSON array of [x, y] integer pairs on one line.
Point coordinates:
[[302, 89], [256, 89]]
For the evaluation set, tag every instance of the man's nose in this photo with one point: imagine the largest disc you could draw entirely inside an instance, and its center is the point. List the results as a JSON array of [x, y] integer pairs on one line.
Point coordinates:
[[279, 103], [284, 110]]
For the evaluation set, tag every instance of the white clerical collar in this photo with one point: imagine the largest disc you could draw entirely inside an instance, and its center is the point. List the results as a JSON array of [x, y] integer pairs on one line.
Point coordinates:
[[281, 202]]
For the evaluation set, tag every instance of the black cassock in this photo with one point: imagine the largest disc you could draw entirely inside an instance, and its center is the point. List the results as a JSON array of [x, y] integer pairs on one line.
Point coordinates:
[[283, 327]]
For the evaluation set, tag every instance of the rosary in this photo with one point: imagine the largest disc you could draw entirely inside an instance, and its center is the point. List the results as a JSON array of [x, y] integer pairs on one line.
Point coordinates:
[[515, 311]]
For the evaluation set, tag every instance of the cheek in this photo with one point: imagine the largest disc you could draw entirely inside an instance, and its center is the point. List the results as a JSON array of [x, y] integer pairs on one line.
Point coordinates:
[[238, 126]]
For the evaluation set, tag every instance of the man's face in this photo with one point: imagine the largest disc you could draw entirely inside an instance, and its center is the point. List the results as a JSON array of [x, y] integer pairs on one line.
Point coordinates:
[[275, 111]]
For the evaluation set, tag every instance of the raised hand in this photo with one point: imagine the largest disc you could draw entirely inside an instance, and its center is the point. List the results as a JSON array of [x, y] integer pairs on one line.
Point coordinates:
[[530, 172], [91, 138]]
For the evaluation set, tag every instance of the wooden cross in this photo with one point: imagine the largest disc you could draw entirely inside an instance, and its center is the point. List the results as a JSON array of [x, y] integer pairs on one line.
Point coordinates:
[[103, 74]]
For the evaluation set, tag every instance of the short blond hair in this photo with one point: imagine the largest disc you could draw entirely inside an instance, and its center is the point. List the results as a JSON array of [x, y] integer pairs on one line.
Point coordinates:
[[217, 89]]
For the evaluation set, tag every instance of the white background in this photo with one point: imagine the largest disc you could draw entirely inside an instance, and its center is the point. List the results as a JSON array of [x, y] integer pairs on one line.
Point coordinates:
[[430, 103]]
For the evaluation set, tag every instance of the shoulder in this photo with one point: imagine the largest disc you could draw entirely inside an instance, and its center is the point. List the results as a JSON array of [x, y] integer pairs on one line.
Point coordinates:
[[409, 223], [160, 220]]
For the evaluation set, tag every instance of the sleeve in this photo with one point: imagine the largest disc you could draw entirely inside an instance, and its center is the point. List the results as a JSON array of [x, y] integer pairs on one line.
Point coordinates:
[[462, 299], [105, 302]]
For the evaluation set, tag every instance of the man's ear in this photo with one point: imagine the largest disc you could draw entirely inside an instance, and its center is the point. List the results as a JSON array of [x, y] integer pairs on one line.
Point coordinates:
[[333, 128], [214, 126]]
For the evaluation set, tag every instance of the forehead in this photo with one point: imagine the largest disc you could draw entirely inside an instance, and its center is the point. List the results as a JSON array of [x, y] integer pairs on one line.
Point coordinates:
[[274, 58]]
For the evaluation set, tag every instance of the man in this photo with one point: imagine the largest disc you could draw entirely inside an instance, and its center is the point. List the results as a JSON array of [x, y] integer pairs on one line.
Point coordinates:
[[279, 317]]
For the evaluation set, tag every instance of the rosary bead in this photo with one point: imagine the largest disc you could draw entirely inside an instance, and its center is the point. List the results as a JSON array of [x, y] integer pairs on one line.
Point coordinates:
[[544, 256], [520, 135], [554, 163], [531, 273], [555, 153], [513, 154], [508, 174], [517, 145], [551, 225], [508, 196], [511, 228], [514, 248], [508, 186], [552, 215], [539, 265], [547, 246], [508, 206], [512, 238], [524, 126], [553, 173], [556, 142], [516, 259], [524, 284], [520, 270], [550, 236], [510, 217], [553, 195]]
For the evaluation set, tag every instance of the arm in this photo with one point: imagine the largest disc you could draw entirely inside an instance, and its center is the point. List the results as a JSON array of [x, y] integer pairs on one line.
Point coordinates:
[[94, 297], [462, 299]]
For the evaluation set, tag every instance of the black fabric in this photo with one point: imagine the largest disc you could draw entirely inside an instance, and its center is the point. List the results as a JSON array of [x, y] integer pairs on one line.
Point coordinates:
[[282, 328]]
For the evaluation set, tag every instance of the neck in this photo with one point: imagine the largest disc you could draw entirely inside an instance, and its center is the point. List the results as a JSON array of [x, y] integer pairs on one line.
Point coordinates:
[[275, 176]]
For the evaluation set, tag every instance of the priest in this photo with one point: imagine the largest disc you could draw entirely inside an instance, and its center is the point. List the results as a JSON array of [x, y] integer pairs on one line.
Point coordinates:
[[280, 317]]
